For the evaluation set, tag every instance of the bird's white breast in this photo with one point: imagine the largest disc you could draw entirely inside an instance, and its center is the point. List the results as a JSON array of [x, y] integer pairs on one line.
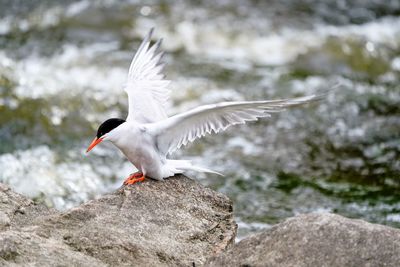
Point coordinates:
[[139, 147]]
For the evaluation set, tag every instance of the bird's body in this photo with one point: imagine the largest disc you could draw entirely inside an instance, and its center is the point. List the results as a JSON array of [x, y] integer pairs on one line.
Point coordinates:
[[137, 142], [148, 135], [138, 146]]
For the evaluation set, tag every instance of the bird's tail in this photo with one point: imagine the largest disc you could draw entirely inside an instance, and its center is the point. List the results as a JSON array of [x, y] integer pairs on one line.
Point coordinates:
[[179, 166]]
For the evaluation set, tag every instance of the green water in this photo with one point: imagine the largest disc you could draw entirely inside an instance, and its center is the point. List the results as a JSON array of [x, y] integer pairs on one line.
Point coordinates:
[[63, 65]]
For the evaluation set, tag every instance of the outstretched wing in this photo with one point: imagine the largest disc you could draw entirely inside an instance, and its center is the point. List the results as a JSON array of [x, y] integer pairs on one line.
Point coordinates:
[[146, 86], [186, 127]]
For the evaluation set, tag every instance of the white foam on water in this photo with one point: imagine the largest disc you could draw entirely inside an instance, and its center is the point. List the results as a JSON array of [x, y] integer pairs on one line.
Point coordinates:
[[39, 172], [249, 227], [248, 148], [395, 217], [72, 71], [190, 92], [41, 18], [273, 47], [216, 39]]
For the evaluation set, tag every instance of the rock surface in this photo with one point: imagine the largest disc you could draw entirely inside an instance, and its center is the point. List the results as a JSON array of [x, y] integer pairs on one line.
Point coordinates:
[[180, 223], [177, 223], [317, 240]]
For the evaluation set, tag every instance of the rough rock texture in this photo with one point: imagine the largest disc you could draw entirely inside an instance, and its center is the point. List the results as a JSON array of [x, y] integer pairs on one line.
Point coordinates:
[[180, 223], [177, 223], [317, 240]]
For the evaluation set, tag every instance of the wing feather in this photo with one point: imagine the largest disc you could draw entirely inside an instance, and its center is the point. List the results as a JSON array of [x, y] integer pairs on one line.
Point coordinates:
[[183, 128], [146, 87]]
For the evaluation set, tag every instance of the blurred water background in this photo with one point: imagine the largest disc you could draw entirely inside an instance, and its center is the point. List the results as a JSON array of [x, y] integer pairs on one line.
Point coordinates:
[[63, 65]]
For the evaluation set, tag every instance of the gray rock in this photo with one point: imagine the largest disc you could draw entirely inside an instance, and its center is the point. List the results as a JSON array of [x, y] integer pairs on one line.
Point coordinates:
[[18, 211], [317, 240], [173, 223]]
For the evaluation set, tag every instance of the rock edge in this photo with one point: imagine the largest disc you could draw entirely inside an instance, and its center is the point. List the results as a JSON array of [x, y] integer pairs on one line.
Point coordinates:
[[317, 240]]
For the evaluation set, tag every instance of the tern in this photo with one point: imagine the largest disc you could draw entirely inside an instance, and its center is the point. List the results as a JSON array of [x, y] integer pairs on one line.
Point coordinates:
[[148, 136]]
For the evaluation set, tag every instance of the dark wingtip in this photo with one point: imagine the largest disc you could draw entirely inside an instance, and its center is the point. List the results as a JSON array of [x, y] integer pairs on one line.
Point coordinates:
[[330, 90], [150, 33]]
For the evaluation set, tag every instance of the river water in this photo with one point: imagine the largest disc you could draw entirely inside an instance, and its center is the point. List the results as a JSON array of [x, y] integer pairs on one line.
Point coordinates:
[[63, 64]]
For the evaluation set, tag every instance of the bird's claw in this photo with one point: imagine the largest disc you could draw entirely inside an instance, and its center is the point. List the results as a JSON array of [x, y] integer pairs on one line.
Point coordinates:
[[134, 178]]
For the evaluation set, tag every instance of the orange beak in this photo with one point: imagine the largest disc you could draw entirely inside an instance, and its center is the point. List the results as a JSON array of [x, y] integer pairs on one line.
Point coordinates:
[[94, 143]]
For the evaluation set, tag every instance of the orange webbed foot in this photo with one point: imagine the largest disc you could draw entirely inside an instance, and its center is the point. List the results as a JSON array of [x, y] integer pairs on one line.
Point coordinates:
[[134, 178]]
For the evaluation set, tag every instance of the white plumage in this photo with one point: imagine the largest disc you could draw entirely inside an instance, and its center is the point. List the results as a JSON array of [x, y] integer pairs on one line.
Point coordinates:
[[148, 135], [186, 127], [146, 87]]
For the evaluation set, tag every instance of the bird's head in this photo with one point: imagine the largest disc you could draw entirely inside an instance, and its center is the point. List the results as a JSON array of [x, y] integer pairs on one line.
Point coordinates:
[[105, 129]]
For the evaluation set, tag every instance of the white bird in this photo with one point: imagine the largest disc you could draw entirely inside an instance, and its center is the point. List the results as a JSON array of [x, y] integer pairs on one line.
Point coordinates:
[[148, 135]]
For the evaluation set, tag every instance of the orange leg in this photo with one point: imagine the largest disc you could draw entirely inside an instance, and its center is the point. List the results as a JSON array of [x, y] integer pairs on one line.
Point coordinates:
[[134, 178]]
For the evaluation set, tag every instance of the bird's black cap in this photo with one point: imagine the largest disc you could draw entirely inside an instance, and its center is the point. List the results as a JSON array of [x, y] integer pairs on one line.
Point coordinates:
[[108, 126]]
